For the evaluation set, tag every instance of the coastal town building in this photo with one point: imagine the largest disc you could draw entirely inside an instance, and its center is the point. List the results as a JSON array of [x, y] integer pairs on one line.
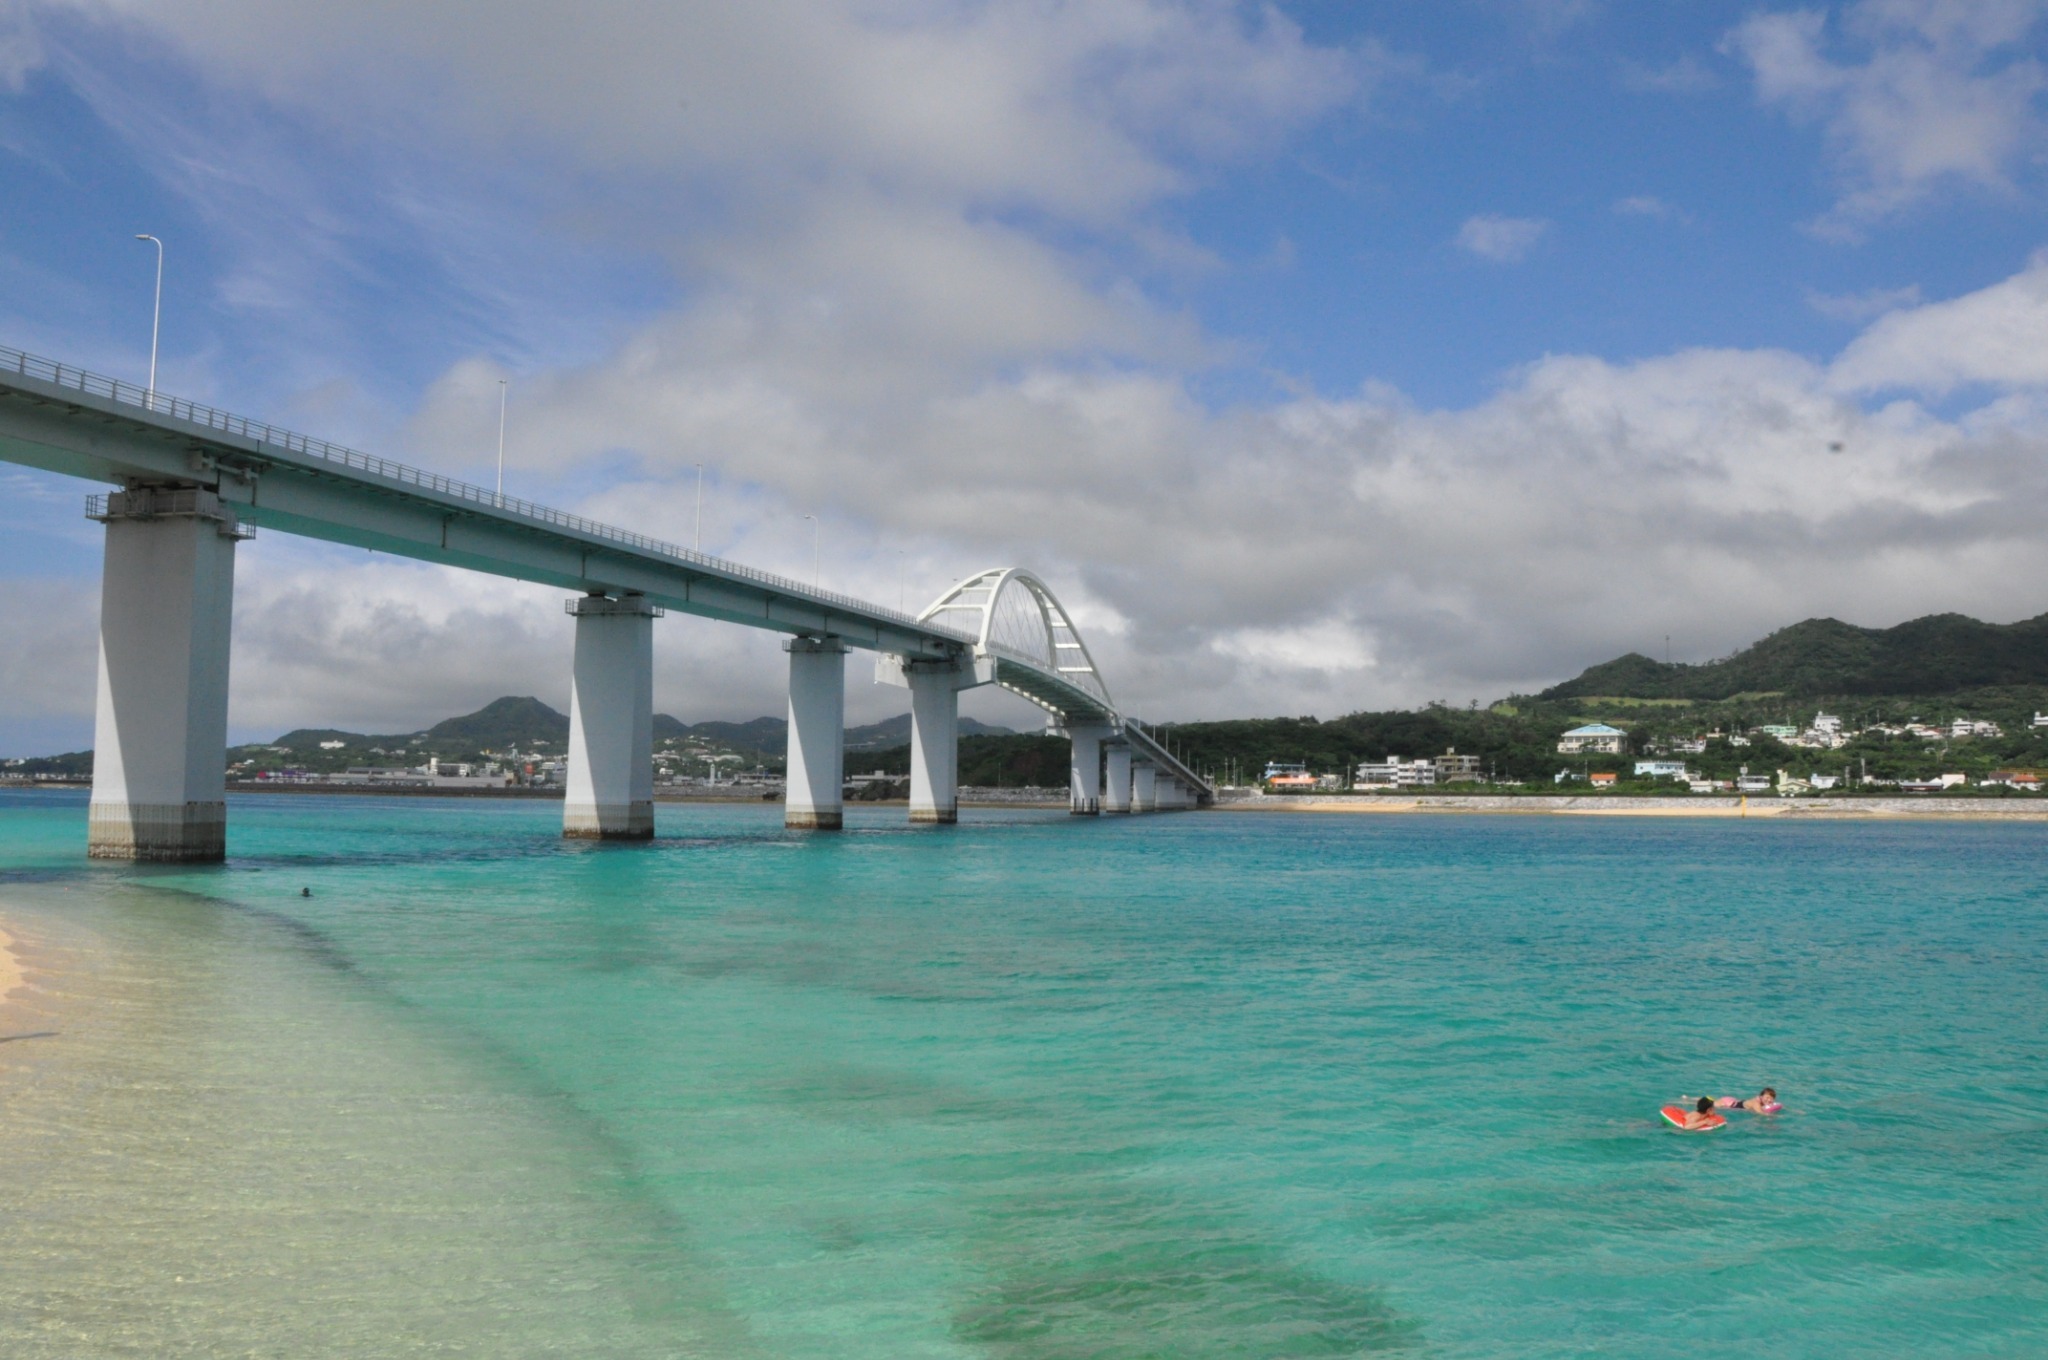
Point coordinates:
[[1452, 768], [1593, 739], [1603, 779], [1662, 769], [1396, 773], [1963, 728], [1287, 776]]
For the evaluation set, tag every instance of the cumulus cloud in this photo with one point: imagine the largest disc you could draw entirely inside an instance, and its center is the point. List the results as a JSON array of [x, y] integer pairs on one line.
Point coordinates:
[[1997, 336], [1945, 95], [1503, 240]]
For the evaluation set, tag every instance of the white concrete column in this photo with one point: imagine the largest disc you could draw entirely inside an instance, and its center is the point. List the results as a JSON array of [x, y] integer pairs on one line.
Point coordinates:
[[934, 741], [1116, 779], [160, 735], [817, 734], [609, 793], [1144, 787], [1085, 786]]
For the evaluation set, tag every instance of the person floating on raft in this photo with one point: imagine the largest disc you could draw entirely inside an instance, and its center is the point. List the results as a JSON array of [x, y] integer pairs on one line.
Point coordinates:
[[1700, 1116]]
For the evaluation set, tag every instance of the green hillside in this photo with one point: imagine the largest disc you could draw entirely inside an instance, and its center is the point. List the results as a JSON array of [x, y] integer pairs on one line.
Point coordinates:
[[1939, 654]]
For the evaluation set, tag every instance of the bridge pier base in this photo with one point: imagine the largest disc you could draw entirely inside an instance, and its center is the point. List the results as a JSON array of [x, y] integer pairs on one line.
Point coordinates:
[[1116, 779], [816, 781], [1144, 787], [609, 794], [160, 731]]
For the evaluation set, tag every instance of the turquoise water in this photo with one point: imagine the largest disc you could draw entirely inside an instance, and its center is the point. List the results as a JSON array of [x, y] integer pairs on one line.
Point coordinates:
[[1201, 1085]]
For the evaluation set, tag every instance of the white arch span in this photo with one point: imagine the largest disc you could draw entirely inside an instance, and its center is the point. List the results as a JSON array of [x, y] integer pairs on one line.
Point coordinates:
[[1025, 641], [1016, 621]]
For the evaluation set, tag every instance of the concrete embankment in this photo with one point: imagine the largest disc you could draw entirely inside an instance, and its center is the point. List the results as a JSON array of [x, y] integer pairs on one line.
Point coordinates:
[[1972, 809]]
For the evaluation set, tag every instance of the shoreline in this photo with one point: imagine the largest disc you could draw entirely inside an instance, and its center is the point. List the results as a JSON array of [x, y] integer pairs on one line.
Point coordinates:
[[1602, 805], [12, 975]]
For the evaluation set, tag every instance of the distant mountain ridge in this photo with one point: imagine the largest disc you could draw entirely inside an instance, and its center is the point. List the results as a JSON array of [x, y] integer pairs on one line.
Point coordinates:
[[522, 720], [1938, 654]]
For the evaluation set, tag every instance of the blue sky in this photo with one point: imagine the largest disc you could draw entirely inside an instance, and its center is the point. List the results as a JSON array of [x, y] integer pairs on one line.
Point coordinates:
[[1323, 355]]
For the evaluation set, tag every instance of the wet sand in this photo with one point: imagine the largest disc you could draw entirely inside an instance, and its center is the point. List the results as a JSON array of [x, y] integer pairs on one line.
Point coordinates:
[[10, 966]]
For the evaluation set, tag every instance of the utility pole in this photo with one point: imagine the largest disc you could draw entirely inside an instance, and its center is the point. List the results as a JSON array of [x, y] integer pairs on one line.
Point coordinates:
[[501, 438], [156, 317]]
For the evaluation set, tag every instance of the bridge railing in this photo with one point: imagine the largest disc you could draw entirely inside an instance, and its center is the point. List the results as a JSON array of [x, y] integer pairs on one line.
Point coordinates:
[[261, 432]]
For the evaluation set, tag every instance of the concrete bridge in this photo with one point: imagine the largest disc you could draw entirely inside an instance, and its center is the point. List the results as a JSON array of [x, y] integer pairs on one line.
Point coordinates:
[[196, 481]]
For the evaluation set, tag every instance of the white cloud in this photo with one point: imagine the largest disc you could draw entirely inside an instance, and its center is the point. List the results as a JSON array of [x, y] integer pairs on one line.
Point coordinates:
[[1943, 98], [1860, 307], [1686, 75], [1996, 336], [21, 50], [1504, 240], [1649, 205]]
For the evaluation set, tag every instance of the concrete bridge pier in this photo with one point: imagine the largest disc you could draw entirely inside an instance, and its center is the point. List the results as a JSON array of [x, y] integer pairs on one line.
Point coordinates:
[[934, 686], [934, 741], [1116, 779], [817, 735], [1084, 796], [609, 794], [160, 734], [1144, 787]]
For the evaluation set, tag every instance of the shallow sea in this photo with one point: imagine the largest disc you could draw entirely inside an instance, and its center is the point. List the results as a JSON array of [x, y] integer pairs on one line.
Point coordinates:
[[1188, 1085]]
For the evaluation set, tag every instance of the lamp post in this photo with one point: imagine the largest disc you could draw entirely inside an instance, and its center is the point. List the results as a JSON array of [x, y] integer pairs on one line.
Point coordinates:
[[814, 551], [501, 438], [156, 316], [697, 541]]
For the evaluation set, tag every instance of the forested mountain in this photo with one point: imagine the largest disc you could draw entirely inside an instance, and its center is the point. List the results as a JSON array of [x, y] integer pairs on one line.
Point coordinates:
[[1939, 654]]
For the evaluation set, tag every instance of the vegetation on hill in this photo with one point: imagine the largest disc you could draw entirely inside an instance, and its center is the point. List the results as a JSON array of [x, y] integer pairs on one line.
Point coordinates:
[[1939, 654], [526, 724]]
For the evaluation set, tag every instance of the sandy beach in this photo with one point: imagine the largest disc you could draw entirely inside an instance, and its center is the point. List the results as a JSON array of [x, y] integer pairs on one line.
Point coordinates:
[[1597, 805]]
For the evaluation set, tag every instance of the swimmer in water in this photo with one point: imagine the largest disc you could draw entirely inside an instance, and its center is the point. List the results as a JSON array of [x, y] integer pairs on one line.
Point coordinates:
[[1763, 1102]]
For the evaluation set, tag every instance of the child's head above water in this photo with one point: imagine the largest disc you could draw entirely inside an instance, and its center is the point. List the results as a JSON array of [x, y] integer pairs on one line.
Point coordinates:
[[1705, 1105]]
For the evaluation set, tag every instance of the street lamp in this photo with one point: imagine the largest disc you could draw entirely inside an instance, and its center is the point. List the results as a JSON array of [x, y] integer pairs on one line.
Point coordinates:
[[156, 315], [697, 542], [501, 439], [815, 578]]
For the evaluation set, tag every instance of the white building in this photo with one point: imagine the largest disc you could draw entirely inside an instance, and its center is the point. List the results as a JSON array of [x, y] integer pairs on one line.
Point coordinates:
[[1593, 738], [1396, 773], [1662, 769]]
